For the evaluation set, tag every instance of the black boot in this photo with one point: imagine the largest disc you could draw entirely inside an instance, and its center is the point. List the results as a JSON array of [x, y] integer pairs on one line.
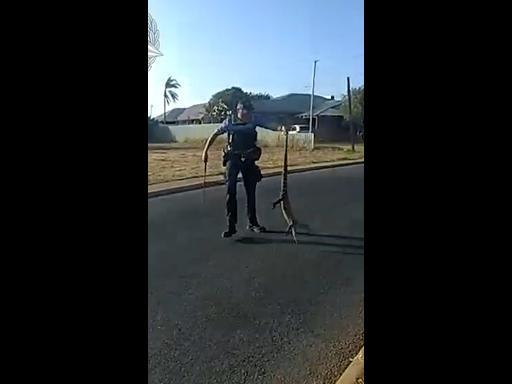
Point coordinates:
[[229, 232]]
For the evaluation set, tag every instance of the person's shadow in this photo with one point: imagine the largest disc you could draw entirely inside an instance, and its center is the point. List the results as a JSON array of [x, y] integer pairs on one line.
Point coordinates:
[[323, 235], [356, 243]]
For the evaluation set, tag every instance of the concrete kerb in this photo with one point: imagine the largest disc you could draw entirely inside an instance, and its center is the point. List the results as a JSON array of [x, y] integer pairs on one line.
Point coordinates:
[[155, 191], [354, 374]]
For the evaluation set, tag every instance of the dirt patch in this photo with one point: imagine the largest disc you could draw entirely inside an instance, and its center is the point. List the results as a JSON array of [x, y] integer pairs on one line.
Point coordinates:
[[181, 162]]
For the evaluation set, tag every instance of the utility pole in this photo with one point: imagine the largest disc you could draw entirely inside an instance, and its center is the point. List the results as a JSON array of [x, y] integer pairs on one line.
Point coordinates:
[[311, 107], [350, 114]]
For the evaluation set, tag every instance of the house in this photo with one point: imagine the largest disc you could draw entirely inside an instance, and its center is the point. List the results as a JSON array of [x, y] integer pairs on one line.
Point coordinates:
[[290, 105], [184, 116], [192, 115], [327, 120], [171, 116], [329, 123]]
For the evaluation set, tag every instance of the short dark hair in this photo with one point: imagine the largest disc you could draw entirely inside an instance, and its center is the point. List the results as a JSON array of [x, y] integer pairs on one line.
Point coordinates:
[[247, 105]]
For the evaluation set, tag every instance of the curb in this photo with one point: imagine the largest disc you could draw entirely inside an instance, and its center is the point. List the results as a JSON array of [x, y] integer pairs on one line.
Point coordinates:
[[199, 185], [354, 374]]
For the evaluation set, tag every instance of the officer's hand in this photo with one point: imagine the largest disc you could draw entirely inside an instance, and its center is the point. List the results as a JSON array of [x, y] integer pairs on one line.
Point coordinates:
[[205, 157], [226, 123]]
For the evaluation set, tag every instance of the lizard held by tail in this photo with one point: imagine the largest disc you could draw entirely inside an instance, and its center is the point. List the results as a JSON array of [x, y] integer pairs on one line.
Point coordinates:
[[284, 199]]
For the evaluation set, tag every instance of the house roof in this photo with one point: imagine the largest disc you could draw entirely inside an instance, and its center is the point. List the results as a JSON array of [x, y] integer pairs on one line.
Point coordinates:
[[194, 112], [171, 115], [328, 108], [292, 103]]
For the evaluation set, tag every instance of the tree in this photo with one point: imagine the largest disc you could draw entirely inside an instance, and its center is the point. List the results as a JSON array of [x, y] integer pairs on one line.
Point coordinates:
[[357, 104], [170, 94], [355, 124], [208, 114], [215, 112], [224, 102], [230, 97], [259, 96]]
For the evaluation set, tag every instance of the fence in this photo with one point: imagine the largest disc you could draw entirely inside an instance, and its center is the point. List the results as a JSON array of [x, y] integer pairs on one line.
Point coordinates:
[[186, 133]]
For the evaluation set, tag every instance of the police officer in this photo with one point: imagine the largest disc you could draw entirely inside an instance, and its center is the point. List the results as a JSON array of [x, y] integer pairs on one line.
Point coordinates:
[[241, 155]]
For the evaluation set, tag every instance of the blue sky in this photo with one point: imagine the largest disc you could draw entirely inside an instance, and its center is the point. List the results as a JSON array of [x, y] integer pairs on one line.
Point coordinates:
[[261, 46]]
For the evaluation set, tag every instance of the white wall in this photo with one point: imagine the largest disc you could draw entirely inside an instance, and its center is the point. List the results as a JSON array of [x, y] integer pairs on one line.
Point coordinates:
[[202, 131]]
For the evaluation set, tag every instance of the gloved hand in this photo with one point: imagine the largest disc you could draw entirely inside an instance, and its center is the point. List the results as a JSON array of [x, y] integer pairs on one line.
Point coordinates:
[[226, 123]]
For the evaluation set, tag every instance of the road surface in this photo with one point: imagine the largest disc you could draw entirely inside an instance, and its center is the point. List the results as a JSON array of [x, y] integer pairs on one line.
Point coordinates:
[[256, 308]]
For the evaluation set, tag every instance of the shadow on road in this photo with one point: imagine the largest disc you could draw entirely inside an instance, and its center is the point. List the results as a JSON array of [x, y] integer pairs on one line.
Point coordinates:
[[343, 253], [325, 235], [289, 240]]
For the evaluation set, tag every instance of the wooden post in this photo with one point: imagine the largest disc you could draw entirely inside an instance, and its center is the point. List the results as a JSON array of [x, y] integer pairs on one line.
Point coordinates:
[[352, 138]]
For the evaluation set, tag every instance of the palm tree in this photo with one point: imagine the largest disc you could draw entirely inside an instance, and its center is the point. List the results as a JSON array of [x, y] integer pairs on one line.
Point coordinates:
[[169, 94]]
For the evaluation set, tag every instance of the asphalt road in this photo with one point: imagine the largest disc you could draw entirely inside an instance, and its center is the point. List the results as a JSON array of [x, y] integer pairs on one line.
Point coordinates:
[[256, 308]]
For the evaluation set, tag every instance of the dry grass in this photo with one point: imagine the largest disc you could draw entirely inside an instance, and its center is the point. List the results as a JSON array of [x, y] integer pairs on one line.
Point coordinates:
[[183, 161]]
